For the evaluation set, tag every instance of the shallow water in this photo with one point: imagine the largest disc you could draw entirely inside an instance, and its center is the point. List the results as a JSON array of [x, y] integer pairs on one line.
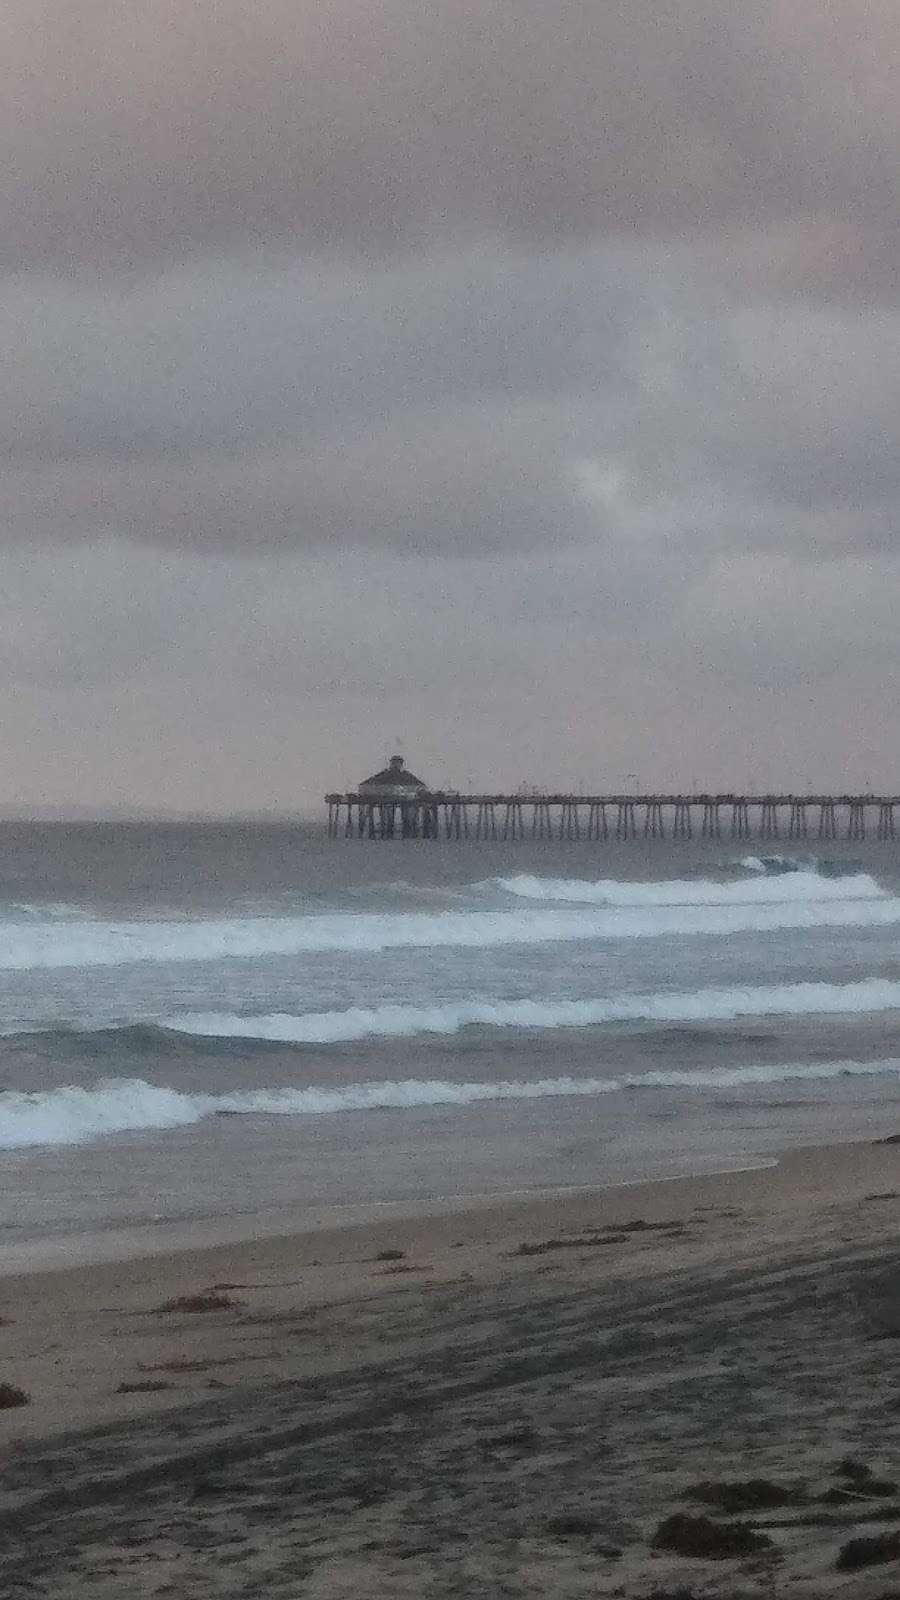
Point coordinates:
[[210, 1021]]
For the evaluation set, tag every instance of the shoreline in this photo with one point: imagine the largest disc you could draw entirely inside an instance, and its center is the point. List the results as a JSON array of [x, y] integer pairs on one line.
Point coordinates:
[[333, 1259], [117, 1245], [506, 1398]]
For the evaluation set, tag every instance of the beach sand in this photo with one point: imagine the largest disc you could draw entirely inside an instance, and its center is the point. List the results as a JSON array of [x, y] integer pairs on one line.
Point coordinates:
[[501, 1401]]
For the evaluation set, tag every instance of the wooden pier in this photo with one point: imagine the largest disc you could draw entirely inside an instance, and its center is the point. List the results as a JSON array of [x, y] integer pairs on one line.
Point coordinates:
[[613, 816]]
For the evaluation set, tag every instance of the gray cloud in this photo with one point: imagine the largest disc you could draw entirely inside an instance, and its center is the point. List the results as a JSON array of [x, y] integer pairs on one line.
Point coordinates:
[[520, 380], [446, 407], [467, 480], [139, 674], [133, 137], [225, 355]]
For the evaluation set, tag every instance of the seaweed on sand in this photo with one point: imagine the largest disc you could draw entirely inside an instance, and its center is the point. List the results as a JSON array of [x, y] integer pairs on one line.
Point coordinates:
[[10, 1396], [711, 1541], [868, 1551], [210, 1301], [749, 1494]]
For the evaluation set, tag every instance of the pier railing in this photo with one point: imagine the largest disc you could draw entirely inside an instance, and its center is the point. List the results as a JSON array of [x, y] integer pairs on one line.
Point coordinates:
[[612, 816]]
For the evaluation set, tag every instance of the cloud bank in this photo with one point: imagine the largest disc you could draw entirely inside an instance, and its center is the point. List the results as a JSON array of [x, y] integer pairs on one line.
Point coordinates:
[[519, 382]]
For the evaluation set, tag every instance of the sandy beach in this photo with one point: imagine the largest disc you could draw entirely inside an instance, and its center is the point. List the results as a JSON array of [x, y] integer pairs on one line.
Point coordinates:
[[506, 1401]]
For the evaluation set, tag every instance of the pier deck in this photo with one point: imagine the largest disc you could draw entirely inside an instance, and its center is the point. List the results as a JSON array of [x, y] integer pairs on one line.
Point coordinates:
[[613, 816]]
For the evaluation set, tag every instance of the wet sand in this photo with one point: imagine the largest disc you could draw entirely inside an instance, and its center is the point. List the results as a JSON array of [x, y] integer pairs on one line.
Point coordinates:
[[505, 1401]]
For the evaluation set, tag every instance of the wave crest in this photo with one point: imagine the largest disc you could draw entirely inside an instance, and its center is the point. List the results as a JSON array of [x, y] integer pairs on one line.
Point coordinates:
[[73, 1116], [790, 887], [609, 910], [399, 1021]]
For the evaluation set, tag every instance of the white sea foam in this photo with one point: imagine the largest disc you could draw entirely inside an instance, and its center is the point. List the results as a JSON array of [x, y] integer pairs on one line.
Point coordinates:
[[72, 1116], [611, 910], [783, 888], [775, 864], [399, 1021]]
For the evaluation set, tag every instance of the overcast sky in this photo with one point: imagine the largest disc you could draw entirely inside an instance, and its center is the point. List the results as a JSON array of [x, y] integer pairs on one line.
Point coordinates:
[[519, 381]]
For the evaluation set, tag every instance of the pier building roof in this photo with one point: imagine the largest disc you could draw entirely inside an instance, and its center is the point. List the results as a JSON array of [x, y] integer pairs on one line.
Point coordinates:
[[394, 779]]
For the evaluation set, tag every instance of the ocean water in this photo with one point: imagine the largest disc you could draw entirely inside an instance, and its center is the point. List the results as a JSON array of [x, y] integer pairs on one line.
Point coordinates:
[[199, 1025]]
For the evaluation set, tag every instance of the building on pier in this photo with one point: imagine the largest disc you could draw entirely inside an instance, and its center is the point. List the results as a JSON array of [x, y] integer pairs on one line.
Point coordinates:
[[394, 782]]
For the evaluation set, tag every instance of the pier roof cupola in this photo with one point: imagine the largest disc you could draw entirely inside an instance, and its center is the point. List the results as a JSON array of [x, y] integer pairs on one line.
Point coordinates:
[[393, 782]]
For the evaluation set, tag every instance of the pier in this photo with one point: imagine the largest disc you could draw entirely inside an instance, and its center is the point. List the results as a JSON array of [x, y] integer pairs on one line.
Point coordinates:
[[422, 814]]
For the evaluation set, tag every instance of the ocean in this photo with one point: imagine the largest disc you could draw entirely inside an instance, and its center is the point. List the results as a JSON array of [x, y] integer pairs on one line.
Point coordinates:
[[223, 1027]]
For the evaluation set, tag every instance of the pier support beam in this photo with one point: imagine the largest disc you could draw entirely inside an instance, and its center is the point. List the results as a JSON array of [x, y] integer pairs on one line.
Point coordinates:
[[598, 827], [514, 821], [856, 819], [797, 827], [626, 825], [711, 827], [541, 820], [768, 819], [453, 815], [682, 826], [740, 819], [654, 826], [827, 820], [569, 824], [486, 824]]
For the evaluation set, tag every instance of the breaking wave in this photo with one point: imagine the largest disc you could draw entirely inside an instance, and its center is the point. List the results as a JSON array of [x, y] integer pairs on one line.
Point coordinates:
[[789, 887], [604, 910], [399, 1021], [825, 866], [72, 1116]]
